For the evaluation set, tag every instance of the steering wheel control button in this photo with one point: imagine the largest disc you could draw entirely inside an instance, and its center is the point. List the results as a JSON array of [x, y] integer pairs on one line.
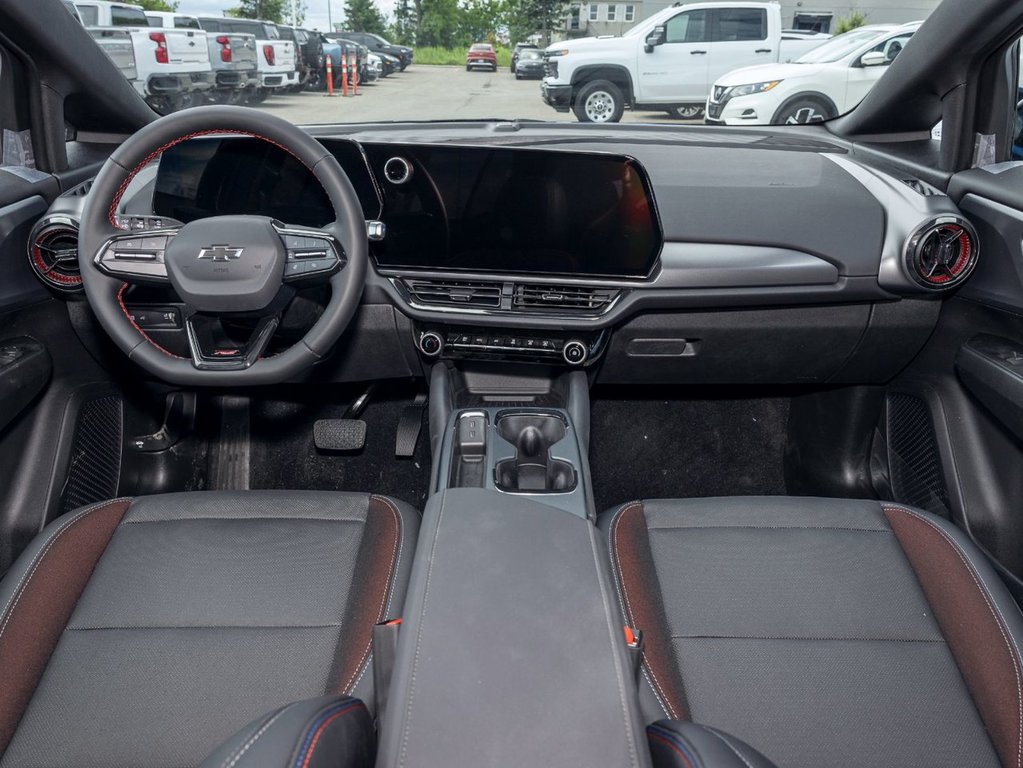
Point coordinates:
[[431, 344], [575, 352], [155, 318]]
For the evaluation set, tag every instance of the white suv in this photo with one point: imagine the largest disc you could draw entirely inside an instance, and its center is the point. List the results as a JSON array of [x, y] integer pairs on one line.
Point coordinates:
[[826, 82]]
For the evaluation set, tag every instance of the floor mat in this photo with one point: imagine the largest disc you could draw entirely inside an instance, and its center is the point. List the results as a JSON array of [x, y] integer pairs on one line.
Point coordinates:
[[662, 448], [283, 456]]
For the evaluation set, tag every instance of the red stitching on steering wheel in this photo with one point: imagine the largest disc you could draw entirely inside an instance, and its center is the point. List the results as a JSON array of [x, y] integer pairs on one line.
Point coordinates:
[[112, 212]]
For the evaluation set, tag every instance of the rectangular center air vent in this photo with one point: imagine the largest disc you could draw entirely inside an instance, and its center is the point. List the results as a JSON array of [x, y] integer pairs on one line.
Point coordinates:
[[563, 298], [454, 293]]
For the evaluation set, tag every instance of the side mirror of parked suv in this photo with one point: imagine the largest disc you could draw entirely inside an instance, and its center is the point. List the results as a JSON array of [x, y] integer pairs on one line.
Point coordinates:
[[655, 38], [873, 59]]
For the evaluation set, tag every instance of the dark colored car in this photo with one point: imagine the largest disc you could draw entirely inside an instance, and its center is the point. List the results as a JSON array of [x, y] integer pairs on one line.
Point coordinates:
[[517, 53], [362, 55], [481, 56], [308, 54], [390, 63], [530, 64], [379, 45]]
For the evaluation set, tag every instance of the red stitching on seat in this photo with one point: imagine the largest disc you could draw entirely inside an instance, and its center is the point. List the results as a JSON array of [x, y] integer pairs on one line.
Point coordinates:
[[674, 747], [319, 732]]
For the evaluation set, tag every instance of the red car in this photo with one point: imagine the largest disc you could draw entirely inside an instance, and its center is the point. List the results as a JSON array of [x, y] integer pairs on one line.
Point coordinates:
[[481, 55]]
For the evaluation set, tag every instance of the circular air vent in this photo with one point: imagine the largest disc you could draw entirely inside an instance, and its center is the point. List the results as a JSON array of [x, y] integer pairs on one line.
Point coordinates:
[[398, 170], [53, 252], [942, 253]]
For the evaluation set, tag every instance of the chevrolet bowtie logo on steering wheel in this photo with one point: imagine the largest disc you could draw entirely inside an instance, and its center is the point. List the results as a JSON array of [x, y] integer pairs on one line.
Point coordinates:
[[221, 253]]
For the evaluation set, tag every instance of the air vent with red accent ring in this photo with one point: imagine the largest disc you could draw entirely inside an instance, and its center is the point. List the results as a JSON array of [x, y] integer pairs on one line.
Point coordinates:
[[942, 253], [53, 252]]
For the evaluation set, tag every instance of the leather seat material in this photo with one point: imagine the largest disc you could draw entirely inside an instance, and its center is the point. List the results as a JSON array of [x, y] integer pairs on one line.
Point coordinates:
[[823, 632], [199, 612], [676, 744], [38, 595], [326, 732], [511, 652]]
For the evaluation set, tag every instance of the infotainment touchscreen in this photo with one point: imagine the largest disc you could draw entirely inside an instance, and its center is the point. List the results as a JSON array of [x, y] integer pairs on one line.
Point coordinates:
[[515, 210], [451, 208]]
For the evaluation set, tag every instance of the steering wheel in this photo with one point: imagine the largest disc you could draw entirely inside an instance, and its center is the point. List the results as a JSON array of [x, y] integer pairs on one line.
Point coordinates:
[[222, 267]]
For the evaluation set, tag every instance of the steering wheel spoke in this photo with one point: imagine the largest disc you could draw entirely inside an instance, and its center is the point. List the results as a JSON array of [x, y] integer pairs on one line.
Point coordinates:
[[313, 255], [138, 256], [213, 349]]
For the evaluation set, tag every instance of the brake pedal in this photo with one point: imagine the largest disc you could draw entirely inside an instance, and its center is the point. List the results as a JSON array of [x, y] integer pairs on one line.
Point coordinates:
[[339, 434]]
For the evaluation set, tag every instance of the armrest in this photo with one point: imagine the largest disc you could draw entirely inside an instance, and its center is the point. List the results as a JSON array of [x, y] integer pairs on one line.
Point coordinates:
[[674, 744], [333, 731], [510, 631]]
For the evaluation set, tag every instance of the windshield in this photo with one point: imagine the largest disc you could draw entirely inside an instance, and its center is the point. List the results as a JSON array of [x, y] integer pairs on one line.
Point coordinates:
[[368, 61], [839, 47]]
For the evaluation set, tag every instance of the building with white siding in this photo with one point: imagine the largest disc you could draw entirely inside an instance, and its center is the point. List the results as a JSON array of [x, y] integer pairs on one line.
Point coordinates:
[[586, 19]]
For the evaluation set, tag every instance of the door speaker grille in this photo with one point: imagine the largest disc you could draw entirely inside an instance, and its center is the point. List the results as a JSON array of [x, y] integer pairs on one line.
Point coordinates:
[[913, 459], [94, 471]]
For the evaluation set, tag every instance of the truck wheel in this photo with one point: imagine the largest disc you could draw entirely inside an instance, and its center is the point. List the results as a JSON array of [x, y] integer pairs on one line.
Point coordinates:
[[803, 110], [599, 102], [257, 96], [687, 111]]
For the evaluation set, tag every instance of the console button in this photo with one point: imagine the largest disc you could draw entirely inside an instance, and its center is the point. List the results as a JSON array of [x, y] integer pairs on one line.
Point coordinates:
[[575, 352], [431, 344]]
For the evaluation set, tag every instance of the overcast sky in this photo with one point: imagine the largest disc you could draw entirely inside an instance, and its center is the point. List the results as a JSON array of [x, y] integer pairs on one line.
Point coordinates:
[[315, 15]]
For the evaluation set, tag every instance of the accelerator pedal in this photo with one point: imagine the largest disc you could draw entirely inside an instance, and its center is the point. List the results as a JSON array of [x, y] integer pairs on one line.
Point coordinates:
[[409, 427], [339, 434]]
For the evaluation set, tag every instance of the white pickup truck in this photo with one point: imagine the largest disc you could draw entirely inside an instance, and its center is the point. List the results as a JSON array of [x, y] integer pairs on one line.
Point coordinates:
[[668, 61], [275, 58], [232, 57], [170, 68]]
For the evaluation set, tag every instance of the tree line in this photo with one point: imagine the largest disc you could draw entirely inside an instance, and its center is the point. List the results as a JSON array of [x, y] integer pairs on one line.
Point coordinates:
[[454, 23], [442, 23]]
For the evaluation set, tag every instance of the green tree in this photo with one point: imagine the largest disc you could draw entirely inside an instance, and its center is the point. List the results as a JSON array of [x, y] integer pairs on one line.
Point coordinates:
[[265, 10], [850, 22], [480, 19], [529, 17], [438, 23], [364, 16], [295, 12], [157, 5], [403, 31]]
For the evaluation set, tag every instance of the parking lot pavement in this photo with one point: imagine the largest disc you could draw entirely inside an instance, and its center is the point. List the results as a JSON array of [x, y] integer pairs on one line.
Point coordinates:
[[433, 93]]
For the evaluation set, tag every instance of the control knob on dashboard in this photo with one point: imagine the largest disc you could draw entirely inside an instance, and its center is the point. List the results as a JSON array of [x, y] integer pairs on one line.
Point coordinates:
[[575, 352], [431, 344]]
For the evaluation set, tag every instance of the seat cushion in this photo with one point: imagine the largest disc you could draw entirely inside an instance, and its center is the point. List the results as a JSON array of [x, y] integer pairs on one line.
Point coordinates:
[[147, 631], [823, 632]]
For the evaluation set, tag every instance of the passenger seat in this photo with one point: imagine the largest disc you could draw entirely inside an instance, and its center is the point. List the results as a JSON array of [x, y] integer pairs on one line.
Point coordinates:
[[822, 632]]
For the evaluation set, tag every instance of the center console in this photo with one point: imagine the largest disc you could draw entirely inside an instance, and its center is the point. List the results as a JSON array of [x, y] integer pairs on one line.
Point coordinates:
[[511, 627], [514, 442]]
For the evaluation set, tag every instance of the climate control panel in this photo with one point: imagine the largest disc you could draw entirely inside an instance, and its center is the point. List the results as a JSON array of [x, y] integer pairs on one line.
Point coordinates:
[[532, 346]]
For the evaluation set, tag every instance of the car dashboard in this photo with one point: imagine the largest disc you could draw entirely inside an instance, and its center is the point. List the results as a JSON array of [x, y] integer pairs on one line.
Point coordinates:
[[642, 255]]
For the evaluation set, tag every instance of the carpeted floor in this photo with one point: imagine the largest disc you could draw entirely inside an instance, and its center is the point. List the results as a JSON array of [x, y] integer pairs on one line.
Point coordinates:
[[663, 448], [282, 453]]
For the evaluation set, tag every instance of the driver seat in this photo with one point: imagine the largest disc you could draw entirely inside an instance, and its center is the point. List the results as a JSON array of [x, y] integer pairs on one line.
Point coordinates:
[[147, 631]]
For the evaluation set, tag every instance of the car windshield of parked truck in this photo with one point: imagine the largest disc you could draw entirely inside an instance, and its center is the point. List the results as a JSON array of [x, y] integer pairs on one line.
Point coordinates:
[[839, 47], [722, 63]]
